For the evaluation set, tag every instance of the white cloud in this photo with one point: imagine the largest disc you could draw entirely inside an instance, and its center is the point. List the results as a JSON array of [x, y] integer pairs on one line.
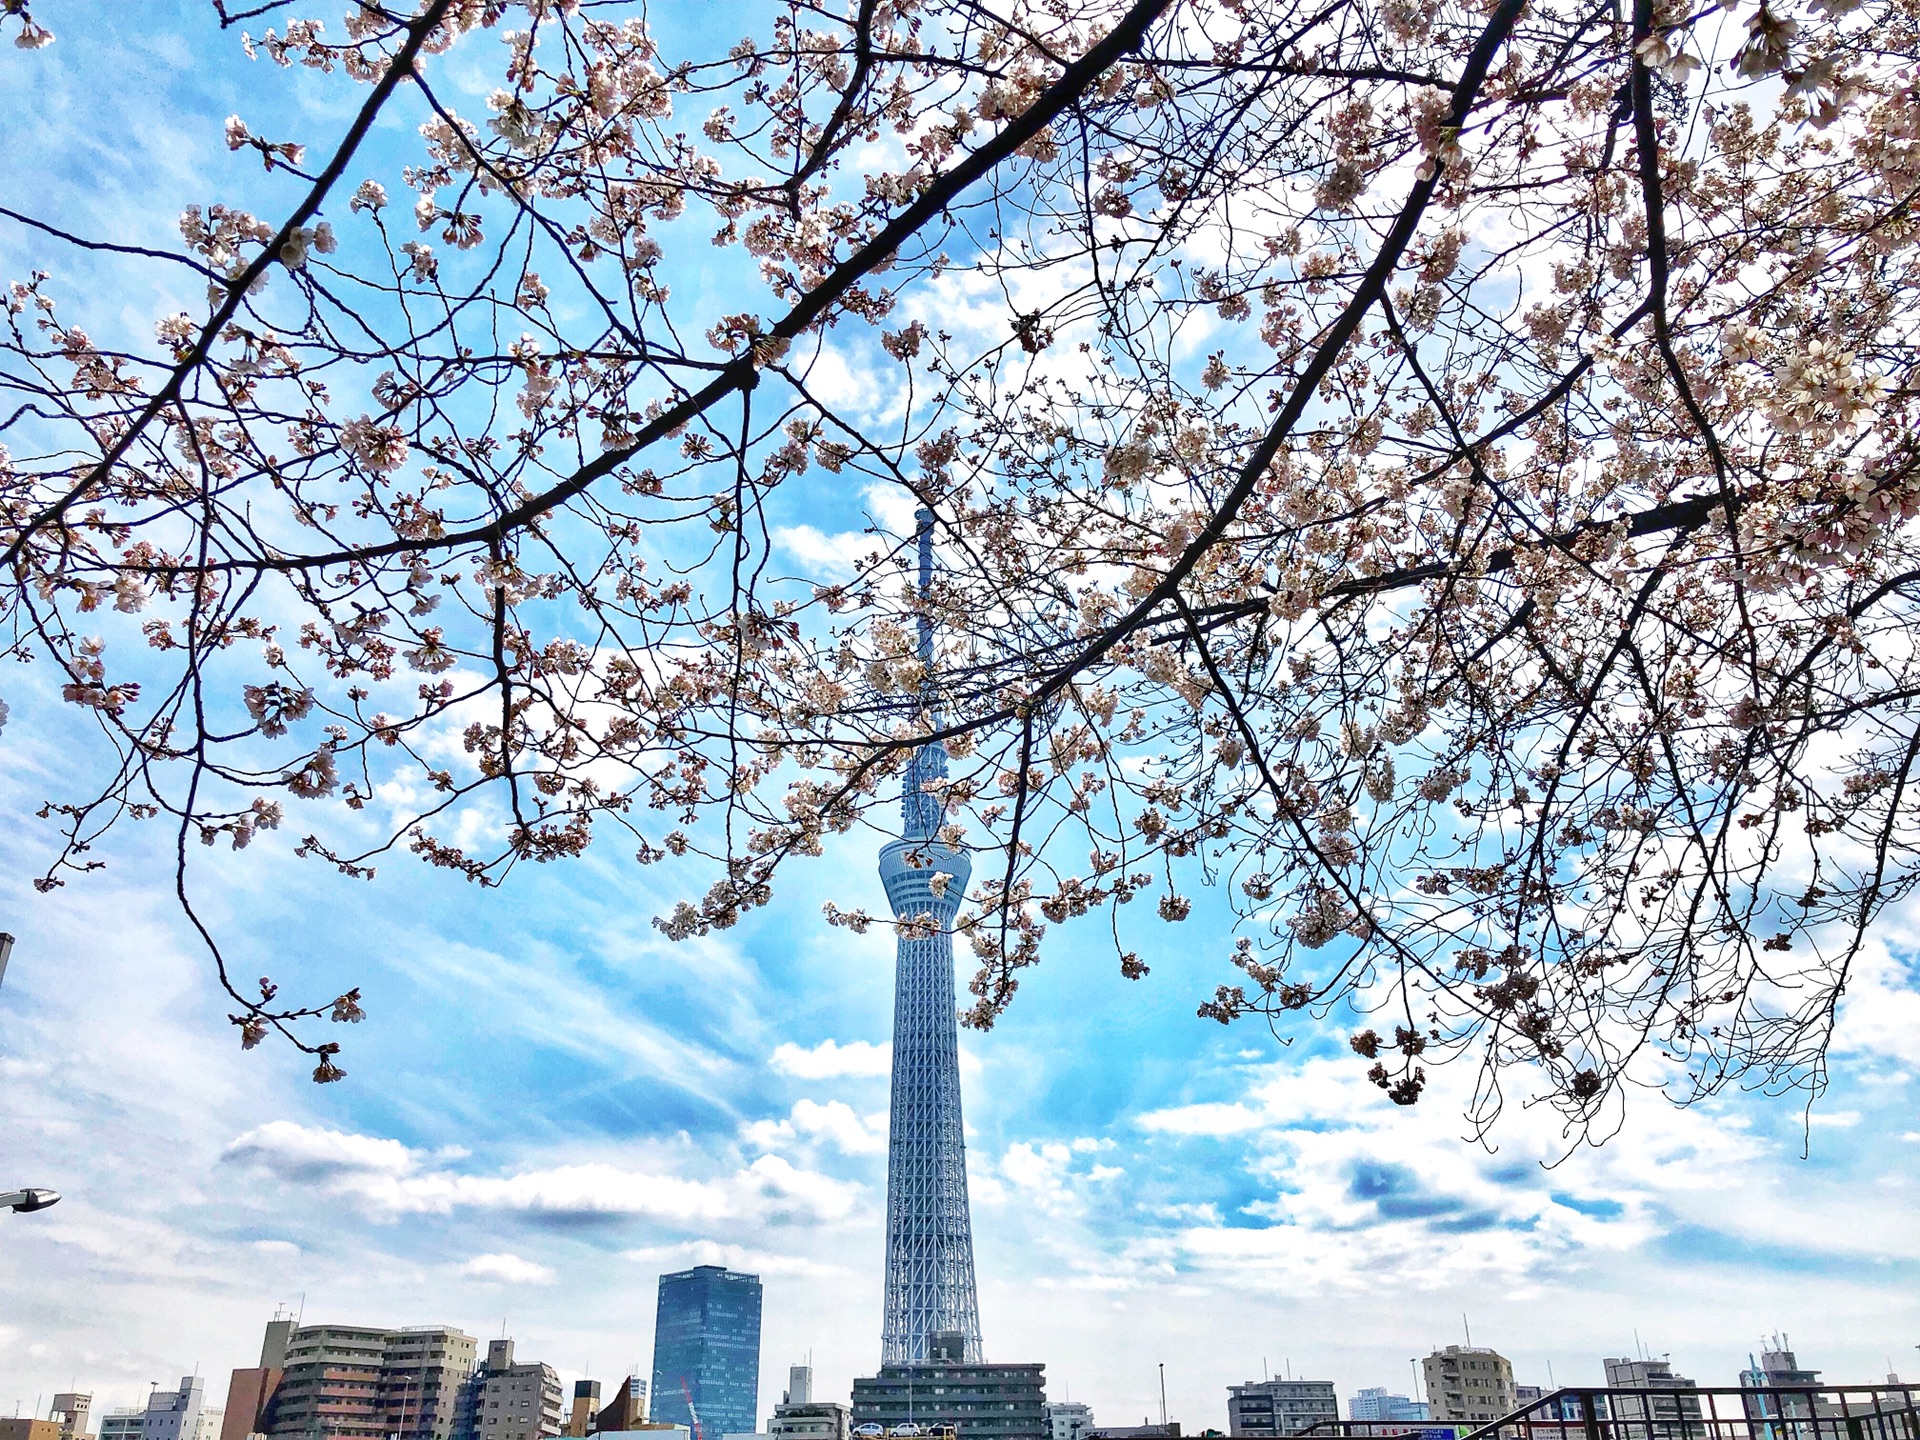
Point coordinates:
[[1207, 1119], [306, 1152], [834, 1123], [276, 1247], [830, 1060], [1041, 1176], [509, 1270], [387, 1180], [825, 554], [1838, 1119]]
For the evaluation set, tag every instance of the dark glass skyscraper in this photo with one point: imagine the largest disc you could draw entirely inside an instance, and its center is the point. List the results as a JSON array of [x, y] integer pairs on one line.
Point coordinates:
[[706, 1351]]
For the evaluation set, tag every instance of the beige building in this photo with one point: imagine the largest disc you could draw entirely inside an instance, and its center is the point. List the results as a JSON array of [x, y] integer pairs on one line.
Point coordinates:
[[71, 1411], [1468, 1383]]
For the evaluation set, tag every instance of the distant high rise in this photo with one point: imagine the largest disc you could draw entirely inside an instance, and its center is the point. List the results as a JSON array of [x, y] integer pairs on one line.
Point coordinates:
[[1376, 1404], [930, 1284], [1280, 1407], [706, 1351], [1468, 1383]]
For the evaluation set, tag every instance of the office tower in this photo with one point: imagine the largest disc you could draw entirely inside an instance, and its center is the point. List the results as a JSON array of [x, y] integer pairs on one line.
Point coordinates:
[[980, 1401], [706, 1351], [1280, 1407], [929, 1283], [71, 1412]]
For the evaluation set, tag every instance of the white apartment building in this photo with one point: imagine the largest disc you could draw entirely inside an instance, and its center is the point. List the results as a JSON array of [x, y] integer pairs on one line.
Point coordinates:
[[175, 1414], [1068, 1419]]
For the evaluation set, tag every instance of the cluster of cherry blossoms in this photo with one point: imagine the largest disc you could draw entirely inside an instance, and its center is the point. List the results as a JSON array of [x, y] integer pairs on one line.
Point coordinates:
[[1440, 474]]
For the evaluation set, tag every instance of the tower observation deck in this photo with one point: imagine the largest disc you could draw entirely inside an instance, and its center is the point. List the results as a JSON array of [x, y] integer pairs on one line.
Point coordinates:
[[930, 1287]]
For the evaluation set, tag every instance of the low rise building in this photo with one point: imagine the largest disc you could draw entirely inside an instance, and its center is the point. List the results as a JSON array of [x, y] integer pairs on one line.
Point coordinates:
[[1468, 1383], [122, 1423], [1280, 1407], [1069, 1419], [799, 1416], [72, 1412], [1788, 1392], [174, 1414], [1376, 1405], [586, 1409], [627, 1409], [23, 1428], [1653, 1376], [981, 1401]]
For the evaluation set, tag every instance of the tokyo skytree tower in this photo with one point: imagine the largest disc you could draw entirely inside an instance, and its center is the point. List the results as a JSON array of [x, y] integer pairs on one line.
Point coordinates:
[[929, 1232]]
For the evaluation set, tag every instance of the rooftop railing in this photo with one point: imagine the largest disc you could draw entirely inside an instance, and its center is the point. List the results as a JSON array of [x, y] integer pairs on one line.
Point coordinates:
[[1787, 1412]]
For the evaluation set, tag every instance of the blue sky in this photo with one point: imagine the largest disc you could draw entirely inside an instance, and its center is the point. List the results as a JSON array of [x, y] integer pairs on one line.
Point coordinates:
[[548, 1103]]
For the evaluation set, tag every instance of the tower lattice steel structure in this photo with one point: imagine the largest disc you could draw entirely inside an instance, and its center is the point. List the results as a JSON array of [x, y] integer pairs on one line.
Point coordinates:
[[929, 1231]]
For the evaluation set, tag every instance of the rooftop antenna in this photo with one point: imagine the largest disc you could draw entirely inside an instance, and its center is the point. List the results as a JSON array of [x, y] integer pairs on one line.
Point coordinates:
[[1163, 1394], [1263, 1369], [1638, 1348], [1466, 1327]]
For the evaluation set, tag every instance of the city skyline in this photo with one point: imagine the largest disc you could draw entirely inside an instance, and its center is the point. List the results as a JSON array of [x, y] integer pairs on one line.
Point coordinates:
[[383, 1361]]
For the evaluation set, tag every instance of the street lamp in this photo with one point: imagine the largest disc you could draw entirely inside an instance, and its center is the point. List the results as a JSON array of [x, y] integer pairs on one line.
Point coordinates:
[[22, 1202]]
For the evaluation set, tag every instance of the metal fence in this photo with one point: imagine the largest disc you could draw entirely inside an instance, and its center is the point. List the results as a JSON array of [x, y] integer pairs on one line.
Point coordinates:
[[1821, 1412]]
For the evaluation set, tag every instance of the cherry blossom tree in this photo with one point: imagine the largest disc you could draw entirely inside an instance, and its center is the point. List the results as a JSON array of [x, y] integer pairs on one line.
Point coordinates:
[[1441, 471]]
